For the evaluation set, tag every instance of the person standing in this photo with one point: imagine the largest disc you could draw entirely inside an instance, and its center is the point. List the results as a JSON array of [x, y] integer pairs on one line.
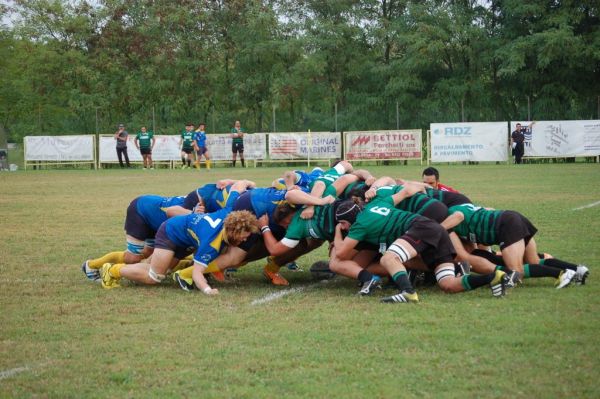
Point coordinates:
[[144, 141], [121, 136], [517, 141], [186, 145], [200, 146], [237, 143]]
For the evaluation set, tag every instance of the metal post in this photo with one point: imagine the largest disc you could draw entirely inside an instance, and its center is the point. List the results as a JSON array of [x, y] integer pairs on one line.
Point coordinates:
[[528, 108], [97, 121], [598, 107], [335, 106], [274, 120], [462, 109], [397, 116]]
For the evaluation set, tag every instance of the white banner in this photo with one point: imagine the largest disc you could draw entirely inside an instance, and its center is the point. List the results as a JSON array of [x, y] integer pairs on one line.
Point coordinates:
[[323, 145], [476, 141], [59, 148], [166, 148], [383, 144], [561, 138], [219, 146]]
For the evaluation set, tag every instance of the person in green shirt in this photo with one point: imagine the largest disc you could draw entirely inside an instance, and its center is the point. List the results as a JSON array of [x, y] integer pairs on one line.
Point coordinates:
[[144, 141], [186, 145], [237, 142], [401, 236]]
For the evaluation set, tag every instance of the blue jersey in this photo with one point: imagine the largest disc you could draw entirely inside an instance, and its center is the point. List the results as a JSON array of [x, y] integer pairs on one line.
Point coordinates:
[[265, 200], [203, 231], [200, 139], [152, 208], [302, 179], [213, 198]]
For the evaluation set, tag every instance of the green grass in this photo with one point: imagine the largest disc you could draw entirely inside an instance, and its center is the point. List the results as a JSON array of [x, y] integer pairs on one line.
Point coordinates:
[[78, 340]]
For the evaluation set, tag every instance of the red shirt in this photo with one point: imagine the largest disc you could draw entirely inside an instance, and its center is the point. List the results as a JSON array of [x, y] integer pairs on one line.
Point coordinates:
[[443, 187]]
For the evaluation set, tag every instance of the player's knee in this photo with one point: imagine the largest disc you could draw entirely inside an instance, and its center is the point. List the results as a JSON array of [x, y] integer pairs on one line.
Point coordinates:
[[445, 277], [156, 278], [388, 259]]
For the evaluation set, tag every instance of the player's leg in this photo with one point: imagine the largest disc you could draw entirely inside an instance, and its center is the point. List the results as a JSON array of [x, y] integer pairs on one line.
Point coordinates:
[[207, 158], [241, 150], [393, 261], [183, 159]]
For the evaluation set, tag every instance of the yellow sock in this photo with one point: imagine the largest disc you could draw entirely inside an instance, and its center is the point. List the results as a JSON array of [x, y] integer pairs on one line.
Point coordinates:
[[111, 257], [115, 270], [207, 164], [187, 272]]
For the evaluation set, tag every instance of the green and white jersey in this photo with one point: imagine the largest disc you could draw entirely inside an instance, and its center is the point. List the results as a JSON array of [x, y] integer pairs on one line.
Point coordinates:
[[238, 140], [479, 224], [321, 226], [380, 223], [145, 139], [416, 203], [328, 178], [187, 139]]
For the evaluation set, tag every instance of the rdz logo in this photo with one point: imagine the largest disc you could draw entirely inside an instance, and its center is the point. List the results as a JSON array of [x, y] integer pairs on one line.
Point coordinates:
[[458, 131]]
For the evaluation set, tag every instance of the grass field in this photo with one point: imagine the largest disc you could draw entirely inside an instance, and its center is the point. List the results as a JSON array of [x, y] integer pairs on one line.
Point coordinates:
[[62, 336]]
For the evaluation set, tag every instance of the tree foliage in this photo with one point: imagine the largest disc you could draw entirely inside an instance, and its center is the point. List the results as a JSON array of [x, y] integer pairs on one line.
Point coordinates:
[[80, 67]]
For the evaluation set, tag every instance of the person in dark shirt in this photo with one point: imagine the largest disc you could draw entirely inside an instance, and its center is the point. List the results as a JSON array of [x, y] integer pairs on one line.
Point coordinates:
[[517, 141], [121, 136]]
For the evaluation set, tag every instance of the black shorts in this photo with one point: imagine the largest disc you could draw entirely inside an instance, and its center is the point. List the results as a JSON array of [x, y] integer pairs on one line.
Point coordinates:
[[146, 151], [237, 147], [431, 241], [201, 151], [256, 238], [135, 225], [513, 227], [162, 241], [436, 211], [187, 150], [244, 203]]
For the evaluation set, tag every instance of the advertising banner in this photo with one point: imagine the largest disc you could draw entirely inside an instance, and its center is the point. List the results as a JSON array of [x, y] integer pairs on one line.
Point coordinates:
[[59, 148], [219, 146], [469, 141], [304, 145], [166, 148], [383, 144], [561, 138]]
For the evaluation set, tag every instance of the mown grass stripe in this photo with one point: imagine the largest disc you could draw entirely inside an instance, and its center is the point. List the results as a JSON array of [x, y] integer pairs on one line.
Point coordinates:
[[593, 204], [9, 373]]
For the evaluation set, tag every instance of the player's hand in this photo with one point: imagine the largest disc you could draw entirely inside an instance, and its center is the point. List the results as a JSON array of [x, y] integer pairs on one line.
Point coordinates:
[[370, 194], [221, 184], [370, 181], [213, 291], [400, 181], [308, 212], [328, 200], [263, 221], [199, 208]]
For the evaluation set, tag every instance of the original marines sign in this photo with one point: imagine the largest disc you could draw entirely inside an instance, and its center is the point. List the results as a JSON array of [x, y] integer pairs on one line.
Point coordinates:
[[383, 144], [302, 145]]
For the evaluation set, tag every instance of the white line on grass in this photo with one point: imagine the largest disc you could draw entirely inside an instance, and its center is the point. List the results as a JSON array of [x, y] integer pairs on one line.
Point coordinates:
[[587, 206], [28, 280], [280, 294], [9, 373]]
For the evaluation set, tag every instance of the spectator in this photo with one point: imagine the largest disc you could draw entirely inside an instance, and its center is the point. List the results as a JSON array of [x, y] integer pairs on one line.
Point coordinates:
[[121, 136], [186, 145], [144, 141], [237, 143], [517, 141]]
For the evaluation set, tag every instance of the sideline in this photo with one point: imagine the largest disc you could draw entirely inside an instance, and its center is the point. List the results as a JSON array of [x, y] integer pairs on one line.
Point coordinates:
[[586, 206]]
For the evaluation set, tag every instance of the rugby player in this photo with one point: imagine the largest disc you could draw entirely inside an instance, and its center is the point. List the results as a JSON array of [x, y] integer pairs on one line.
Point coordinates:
[[206, 233], [402, 236], [431, 176], [186, 145]]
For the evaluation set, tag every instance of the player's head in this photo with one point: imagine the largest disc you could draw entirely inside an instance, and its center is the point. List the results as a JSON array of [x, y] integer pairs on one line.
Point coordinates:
[[431, 176], [283, 214], [357, 193], [189, 126], [518, 126], [201, 126], [346, 212], [238, 226], [143, 129], [237, 124]]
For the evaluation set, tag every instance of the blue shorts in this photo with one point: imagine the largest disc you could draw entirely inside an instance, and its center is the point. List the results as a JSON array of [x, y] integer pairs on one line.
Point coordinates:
[[135, 225], [163, 242], [201, 151]]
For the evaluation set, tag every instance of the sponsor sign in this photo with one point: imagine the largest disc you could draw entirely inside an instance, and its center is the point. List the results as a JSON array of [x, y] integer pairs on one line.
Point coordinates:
[[383, 144], [476, 141], [317, 145], [561, 138], [59, 148]]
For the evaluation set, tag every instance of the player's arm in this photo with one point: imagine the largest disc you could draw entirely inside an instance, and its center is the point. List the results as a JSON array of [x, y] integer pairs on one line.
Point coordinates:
[[242, 185], [344, 247], [274, 247], [153, 142], [453, 220], [382, 181], [365, 176], [299, 197], [176, 210], [221, 184], [200, 280], [137, 142], [407, 191]]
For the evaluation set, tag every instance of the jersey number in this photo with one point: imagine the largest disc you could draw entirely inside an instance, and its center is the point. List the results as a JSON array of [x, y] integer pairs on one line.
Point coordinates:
[[380, 210]]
